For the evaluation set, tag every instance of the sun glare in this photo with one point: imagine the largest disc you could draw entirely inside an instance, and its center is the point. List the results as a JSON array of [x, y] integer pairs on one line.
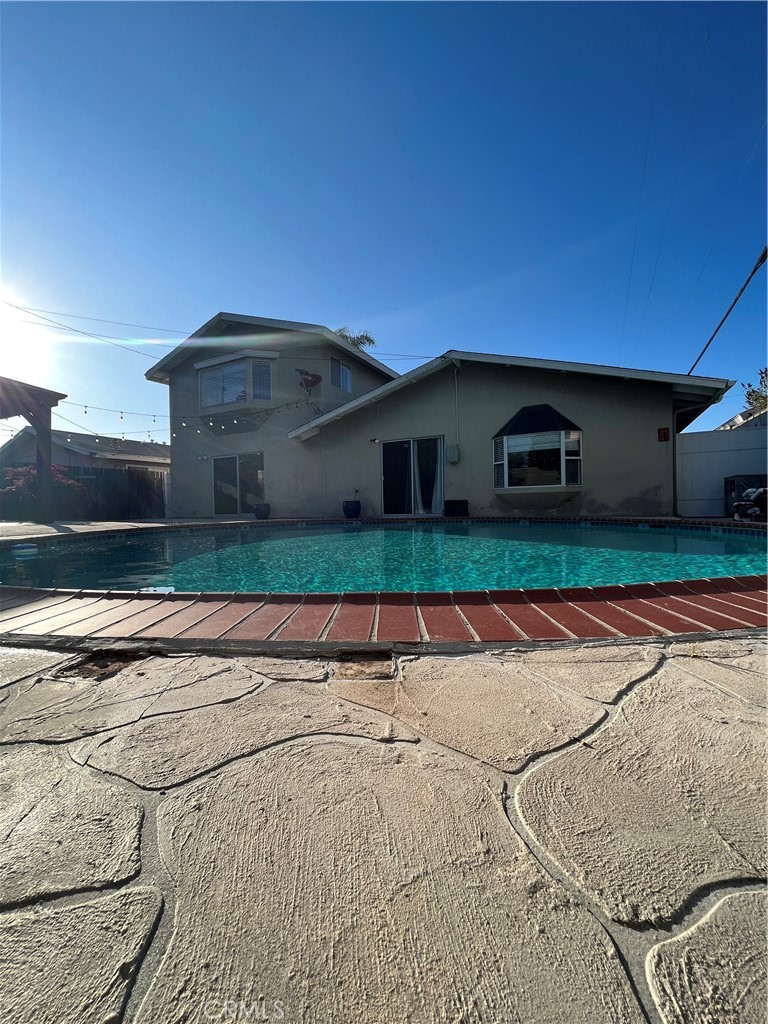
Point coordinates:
[[27, 348]]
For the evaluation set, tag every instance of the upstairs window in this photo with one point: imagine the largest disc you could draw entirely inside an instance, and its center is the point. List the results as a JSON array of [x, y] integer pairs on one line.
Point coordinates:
[[223, 385], [524, 456], [262, 381], [233, 381], [341, 375]]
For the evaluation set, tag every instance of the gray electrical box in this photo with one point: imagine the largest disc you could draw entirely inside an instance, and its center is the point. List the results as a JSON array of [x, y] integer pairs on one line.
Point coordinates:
[[452, 454]]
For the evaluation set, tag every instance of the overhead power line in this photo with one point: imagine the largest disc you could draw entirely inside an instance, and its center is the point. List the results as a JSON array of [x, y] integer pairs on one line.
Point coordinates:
[[115, 337], [108, 338], [761, 260], [86, 334], [102, 320]]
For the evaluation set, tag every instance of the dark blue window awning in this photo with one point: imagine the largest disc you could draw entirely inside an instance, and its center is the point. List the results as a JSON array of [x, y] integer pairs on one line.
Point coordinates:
[[536, 419]]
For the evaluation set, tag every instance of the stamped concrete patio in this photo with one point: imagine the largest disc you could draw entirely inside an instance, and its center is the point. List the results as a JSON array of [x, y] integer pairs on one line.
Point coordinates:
[[574, 834]]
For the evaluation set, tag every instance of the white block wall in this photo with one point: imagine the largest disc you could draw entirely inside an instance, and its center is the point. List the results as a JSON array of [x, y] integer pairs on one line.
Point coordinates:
[[706, 458]]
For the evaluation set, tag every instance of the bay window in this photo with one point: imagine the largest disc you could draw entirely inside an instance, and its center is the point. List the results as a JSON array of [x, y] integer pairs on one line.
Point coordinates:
[[545, 459], [232, 381]]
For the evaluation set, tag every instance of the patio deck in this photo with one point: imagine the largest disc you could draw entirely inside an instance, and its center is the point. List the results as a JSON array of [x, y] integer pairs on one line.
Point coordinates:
[[499, 616]]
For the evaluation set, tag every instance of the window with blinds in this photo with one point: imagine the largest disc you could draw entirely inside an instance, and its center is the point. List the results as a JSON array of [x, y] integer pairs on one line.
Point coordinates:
[[223, 385], [232, 382], [549, 459], [261, 377]]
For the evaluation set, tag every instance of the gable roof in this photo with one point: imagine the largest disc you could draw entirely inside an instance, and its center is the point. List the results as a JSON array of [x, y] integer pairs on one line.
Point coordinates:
[[536, 419], [264, 337], [692, 394], [101, 447]]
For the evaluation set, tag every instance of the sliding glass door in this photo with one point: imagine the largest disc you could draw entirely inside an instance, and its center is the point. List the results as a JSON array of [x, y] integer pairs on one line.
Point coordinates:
[[238, 483], [412, 477]]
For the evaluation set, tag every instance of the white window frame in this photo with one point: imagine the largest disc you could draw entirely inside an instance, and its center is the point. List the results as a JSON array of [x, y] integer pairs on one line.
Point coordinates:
[[504, 448], [345, 373], [220, 364]]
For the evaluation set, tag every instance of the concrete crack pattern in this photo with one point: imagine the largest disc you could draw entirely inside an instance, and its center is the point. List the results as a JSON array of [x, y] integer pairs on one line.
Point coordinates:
[[529, 836]]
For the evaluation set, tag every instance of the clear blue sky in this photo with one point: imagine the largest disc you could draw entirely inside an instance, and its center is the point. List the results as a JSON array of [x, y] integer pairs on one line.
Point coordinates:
[[442, 175]]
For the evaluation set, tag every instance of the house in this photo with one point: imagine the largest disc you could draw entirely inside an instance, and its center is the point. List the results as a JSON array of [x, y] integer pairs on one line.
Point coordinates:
[[85, 453], [123, 479], [292, 415]]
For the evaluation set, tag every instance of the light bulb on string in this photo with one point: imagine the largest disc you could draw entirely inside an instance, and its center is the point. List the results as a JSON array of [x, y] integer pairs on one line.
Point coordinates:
[[85, 410]]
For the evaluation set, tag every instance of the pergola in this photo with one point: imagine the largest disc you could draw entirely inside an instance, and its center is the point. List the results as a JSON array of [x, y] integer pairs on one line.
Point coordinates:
[[34, 404]]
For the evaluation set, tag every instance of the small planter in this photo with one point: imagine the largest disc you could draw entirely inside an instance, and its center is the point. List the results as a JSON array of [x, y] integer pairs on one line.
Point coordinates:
[[261, 511], [351, 509]]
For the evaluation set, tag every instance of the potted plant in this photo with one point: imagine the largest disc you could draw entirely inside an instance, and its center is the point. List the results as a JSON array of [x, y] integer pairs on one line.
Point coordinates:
[[352, 508]]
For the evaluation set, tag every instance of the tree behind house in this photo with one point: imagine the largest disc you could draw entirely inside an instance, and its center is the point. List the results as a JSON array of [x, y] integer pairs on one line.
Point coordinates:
[[361, 340], [756, 398]]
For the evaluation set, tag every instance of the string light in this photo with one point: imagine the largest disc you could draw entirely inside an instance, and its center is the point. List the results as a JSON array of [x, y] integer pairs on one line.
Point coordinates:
[[85, 410]]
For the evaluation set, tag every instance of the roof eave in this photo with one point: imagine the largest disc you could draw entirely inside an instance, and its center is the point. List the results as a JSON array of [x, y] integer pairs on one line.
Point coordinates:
[[710, 388]]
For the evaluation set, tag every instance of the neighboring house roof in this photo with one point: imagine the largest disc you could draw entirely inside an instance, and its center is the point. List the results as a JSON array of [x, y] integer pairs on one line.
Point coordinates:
[[536, 419], [217, 326], [692, 394], [99, 447], [748, 418]]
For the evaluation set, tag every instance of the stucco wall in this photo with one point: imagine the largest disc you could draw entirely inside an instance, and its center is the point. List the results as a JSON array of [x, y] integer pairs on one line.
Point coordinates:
[[292, 476], [626, 470]]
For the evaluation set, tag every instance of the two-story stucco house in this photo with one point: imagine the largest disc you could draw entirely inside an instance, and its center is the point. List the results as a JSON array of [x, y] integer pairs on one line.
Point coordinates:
[[292, 415]]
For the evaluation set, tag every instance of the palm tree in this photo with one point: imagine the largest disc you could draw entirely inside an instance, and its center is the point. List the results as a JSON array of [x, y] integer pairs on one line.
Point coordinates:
[[360, 340]]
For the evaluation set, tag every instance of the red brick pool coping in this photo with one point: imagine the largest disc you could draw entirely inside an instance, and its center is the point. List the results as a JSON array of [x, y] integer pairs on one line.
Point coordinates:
[[639, 610]]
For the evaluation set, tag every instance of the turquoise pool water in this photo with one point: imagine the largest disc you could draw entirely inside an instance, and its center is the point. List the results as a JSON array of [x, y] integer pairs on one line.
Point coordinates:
[[421, 556]]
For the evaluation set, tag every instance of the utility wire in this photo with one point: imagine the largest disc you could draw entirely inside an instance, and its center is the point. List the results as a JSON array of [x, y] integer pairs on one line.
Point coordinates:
[[761, 260], [155, 344], [87, 334], [104, 337], [101, 320]]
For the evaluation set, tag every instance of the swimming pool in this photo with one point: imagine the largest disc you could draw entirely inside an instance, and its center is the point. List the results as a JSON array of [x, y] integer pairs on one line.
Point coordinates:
[[413, 556]]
